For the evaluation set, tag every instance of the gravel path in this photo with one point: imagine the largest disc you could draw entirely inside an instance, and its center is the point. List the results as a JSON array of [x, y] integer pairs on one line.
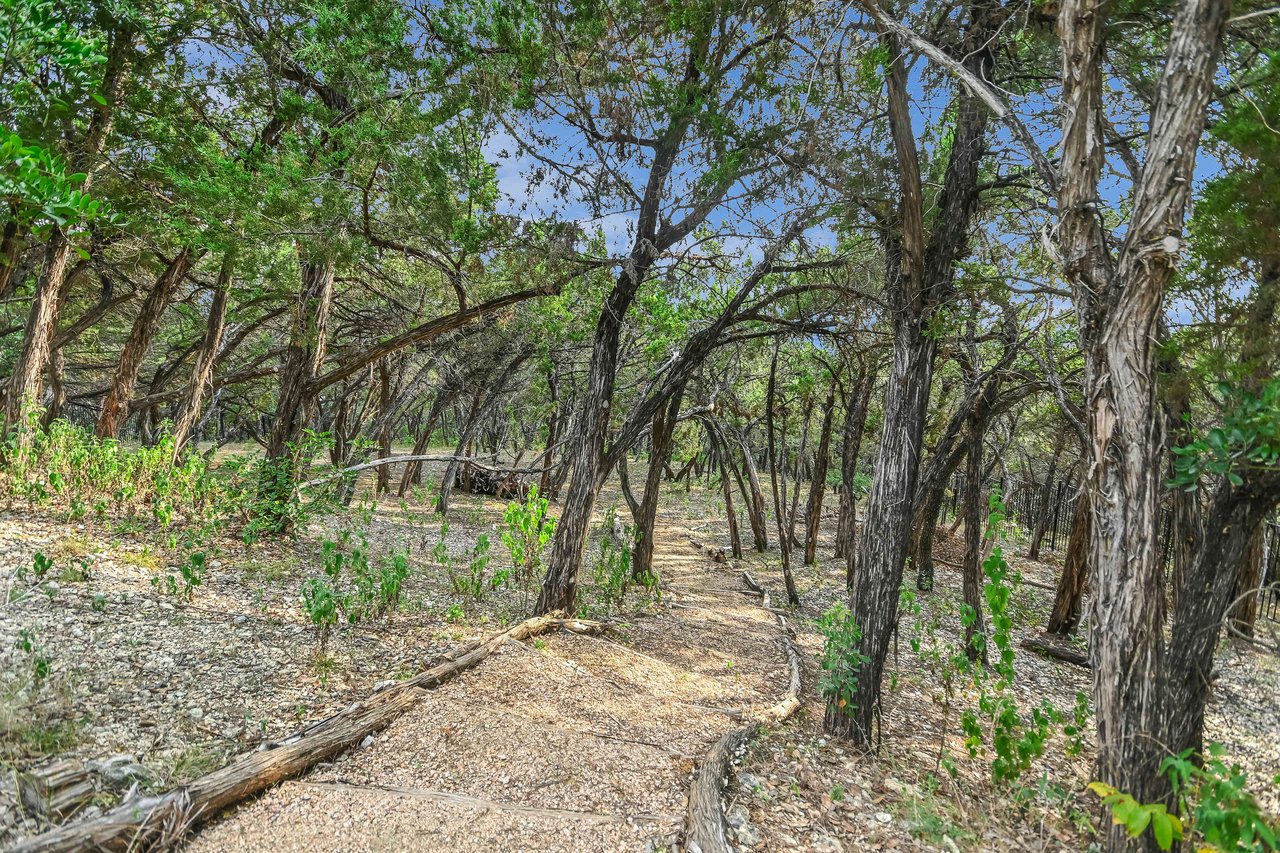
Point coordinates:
[[569, 743]]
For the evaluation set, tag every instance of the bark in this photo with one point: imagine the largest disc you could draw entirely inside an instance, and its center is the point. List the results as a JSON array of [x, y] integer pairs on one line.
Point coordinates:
[[115, 407], [201, 381], [1119, 304], [1046, 494], [855, 420], [297, 399], [817, 488], [1244, 612], [484, 404], [735, 539], [755, 499], [383, 480], [920, 278], [24, 386], [662, 441], [1075, 572], [975, 640], [779, 494]]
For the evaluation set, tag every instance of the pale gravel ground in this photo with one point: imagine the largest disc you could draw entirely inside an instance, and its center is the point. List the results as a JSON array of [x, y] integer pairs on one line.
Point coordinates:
[[599, 734]]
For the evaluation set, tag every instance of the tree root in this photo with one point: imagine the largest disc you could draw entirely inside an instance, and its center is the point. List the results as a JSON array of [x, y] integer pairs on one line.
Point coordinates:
[[159, 822]]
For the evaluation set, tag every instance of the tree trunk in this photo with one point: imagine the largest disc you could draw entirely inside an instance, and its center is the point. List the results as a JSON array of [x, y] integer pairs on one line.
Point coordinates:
[[23, 388], [1244, 612], [1119, 302], [297, 400], [553, 436], [726, 461], [755, 500], [975, 640], [662, 440], [383, 481], [115, 408], [1042, 519], [855, 420], [1075, 572], [779, 495], [206, 358], [813, 510], [11, 245]]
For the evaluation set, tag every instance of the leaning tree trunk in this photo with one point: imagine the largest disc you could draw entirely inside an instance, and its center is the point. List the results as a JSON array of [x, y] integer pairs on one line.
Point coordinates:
[[206, 357], [931, 491], [661, 443], [975, 646], [1075, 572], [115, 408], [726, 485], [817, 488], [24, 386], [560, 587]]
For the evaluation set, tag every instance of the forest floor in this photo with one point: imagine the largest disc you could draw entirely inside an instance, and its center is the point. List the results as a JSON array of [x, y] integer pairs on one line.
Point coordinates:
[[565, 742]]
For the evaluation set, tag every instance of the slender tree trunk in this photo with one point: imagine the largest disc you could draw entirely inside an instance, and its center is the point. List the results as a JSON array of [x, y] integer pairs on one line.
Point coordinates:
[[298, 399], [661, 443], [855, 420], [206, 357], [115, 408], [975, 641], [726, 484], [1075, 572], [57, 387], [779, 495], [384, 430], [1042, 520], [813, 510], [553, 436], [755, 500], [1244, 613]]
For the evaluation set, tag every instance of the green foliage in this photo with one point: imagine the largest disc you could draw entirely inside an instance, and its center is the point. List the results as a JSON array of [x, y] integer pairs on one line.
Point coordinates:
[[352, 588], [841, 659], [1136, 817], [1249, 439], [528, 530], [611, 570], [1215, 796]]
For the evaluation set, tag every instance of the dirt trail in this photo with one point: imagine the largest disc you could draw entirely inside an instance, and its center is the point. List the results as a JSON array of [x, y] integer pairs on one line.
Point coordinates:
[[571, 743]]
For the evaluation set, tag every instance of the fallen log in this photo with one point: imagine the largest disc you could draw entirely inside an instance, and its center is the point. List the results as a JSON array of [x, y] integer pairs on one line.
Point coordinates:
[[705, 828], [1057, 651], [159, 822]]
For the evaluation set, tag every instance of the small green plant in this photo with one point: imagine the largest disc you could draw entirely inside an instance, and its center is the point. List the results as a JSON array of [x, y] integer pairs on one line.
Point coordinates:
[[454, 613], [611, 570], [321, 606], [1215, 796], [1136, 817], [841, 659], [99, 604], [528, 530], [41, 664], [41, 565]]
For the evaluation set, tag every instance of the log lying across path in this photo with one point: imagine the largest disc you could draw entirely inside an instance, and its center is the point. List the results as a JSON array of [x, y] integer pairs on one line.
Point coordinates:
[[705, 826], [1058, 651], [158, 822]]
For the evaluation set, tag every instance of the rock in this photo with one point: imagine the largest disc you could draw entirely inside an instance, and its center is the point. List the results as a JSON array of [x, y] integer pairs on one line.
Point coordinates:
[[749, 782], [737, 816], [827, 843], [884, 817], [747, 835], [367, 742]]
